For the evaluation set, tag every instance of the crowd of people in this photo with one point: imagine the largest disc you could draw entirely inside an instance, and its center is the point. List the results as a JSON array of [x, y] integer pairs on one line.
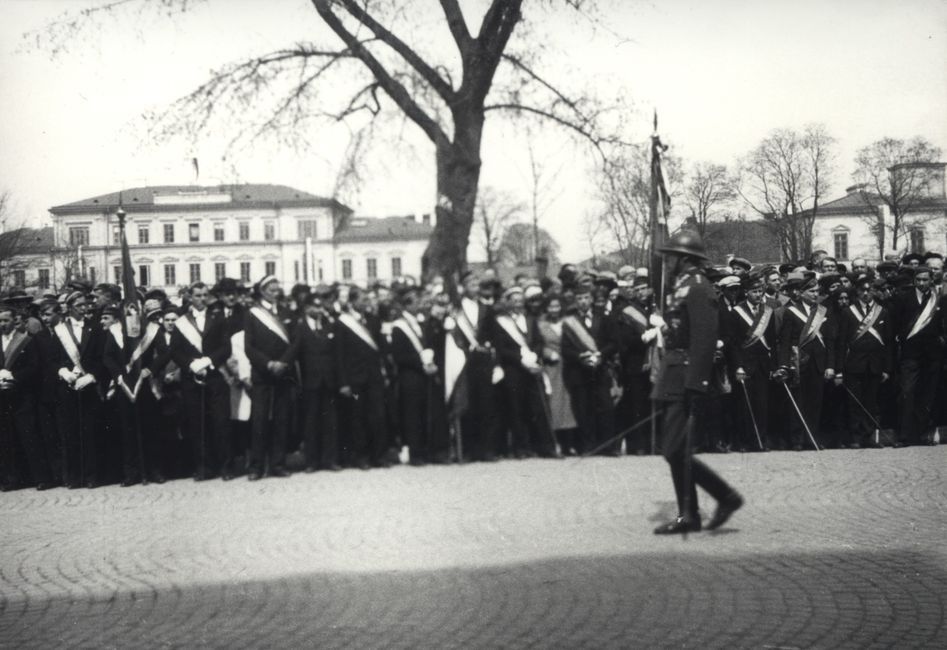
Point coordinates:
[[227, 380]]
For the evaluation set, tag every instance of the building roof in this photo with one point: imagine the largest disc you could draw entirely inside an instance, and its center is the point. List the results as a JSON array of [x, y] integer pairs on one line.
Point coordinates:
[[24, 241], [383, 229], [855, 202], [189, 197]]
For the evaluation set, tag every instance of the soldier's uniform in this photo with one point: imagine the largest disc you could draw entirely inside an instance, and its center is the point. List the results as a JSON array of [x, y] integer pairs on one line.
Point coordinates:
[[684, 378]]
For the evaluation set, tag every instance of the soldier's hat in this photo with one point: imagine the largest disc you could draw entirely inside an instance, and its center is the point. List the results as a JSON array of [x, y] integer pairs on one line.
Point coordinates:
[[685, 243], [742, 262], [226, 285]]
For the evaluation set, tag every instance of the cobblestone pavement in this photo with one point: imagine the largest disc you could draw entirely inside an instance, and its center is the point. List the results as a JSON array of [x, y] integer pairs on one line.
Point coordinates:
[[837, 548]]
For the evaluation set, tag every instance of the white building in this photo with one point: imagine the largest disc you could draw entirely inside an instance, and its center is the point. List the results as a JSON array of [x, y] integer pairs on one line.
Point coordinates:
[[846, 226], [182, 234]]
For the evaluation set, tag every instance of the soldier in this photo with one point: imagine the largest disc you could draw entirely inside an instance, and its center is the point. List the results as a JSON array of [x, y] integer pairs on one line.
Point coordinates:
[[807, 351], [270, 351], [314, 343], [920, 334], [200, 346], [78, 360], [691, 330], [866, 359], [751, 350]]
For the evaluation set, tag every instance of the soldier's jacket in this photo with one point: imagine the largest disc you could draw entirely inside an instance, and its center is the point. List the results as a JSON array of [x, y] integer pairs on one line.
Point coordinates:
[[690, 338]]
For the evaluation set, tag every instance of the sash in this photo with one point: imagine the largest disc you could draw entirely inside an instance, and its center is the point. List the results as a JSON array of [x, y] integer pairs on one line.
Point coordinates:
[[13, 350], [187, 329], [151, 331], [465, 326], [358, 330], [510, 328], [270, 322], [405, 327], [239, 396], [115, 329], [131, 393], [813, 324], [635, 315], [924, 318], [758, 331], [69, 344], [867, 324], [579, 333]]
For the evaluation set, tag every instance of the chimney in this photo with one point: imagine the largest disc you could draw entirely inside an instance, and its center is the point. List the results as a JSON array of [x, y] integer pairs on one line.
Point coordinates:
[[426, 218]]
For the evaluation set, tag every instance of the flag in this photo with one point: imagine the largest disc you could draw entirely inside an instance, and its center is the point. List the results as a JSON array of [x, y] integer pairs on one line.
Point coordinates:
[[660, 207], [131, 308]]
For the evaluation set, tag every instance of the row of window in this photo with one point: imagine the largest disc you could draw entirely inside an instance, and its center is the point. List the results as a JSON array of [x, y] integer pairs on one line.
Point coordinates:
[[306, 228], [371, 268], [19, 279], [143, 277], [840, 243]]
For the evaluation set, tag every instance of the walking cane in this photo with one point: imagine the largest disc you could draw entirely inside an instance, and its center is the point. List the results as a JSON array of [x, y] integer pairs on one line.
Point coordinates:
[[141, 446], [201, 466], [801, 419], [865, 411], [752, 416], [81, 438], [622, 433], [546, 412]]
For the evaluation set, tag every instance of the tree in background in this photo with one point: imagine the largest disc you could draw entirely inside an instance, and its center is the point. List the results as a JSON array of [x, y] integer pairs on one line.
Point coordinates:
[[496, 211], [518, 247], [891, 173], [709, 189], [784, 179]]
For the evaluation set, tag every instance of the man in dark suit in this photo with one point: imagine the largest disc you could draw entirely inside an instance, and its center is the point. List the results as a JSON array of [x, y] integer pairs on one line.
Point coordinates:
[[270, 351], [587, 345], [45, 404], [628, 331], [20, 373], [166, 376], [83, 378], [865, 350], [751, 352], [920, 334], [806, 355], [200, 346], [690, 330], [361, 376], [314, 343]]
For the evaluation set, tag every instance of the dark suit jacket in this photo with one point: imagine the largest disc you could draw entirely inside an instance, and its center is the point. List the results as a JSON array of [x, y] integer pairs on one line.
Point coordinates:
[[48, 358], [507, 349], [91, 349], [821, 353], [625, 333], [905, 310], [403, 352], [574, 372], [757, 360], [263, 345], [866, 354], [356, 362], [315, 353], [215, 344]]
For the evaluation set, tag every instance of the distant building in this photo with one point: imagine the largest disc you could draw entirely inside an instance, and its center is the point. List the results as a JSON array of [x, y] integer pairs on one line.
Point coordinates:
[[181, 234], [27, 258]]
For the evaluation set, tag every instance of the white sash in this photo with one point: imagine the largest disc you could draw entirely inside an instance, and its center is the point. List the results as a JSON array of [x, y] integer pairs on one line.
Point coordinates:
[[13, 350], [466, 327], [115, 329], [867, 324], [818, 317], [924, 317], [358, 330], [68, 344], [270, 322], [405, 327], [239, 397], [132, 394], [188, 331], [635, 314], [579, 332], [510, 328], [151, 331], [759, 331]]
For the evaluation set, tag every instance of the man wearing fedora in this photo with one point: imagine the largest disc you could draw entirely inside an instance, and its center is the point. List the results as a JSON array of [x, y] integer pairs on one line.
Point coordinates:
[[690, 327]]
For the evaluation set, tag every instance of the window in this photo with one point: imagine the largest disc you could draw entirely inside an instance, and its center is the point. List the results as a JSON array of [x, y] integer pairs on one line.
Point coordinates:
[[245, 271], [79, 236], [170, 278], [44, 278], [270, 268], [269, 231], [116, 236], [169, 233], [296, 270], [92, 274], [346, 269], [194, 270], [244, 231], [320, 271], [220, 270], [143, 279], [917, 240], [19, 278], [193, 232], [371, 268], [841, 245], [218, 232], [307, 228], [117, 274], [143, 234], [395, 267]]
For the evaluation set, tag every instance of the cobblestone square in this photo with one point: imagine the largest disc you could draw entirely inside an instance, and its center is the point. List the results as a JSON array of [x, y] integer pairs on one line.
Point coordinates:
[[833, 549]]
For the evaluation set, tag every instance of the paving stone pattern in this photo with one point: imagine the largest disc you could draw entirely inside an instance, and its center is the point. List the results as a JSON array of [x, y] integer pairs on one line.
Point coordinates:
[[834, 549]]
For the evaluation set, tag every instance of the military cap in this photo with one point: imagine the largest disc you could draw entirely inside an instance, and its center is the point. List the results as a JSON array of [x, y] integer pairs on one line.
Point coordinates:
[[684, 243], [512, 291], [911, 257], [743, 263]]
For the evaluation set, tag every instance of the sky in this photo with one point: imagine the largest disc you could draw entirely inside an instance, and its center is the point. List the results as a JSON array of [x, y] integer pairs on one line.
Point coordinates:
[[721, 74]]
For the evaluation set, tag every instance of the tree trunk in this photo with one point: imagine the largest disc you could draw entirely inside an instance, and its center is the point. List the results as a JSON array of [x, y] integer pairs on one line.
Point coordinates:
[[458, 174]]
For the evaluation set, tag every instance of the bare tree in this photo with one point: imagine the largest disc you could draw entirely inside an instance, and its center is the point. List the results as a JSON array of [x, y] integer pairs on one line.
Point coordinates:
[[784, 179], [544, 191], [13, 237], [379, 73], [494, 213], [625, 192], [894, 174], [519, 246], [709, 188]]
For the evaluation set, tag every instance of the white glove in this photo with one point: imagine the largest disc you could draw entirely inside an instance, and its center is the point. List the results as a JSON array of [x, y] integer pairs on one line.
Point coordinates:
[[656, 320], [199, 365], [649, 335], [497, 376], [529, 358], [67, 375], [6, 375], [449, 323], [83, 381]]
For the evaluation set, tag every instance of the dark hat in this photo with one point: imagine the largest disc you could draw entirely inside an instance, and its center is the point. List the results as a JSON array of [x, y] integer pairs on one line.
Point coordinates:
[[607, 279], [108, 288], [322, 291], [911, 257], [729, 281], [151, 307], [931, 255], [685, 243], [886, 266], [512, 291], [753, 281], [828, 279], [799, 281], [714, 274], [741, 262], [169, 308], [863, 282], [923, 269], [156, 294], [786, 268], [77, 285], [641, 281], [226, 285]]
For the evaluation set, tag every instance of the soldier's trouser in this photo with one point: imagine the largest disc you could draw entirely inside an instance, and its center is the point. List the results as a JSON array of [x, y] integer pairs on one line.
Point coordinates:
[[687, 472]]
